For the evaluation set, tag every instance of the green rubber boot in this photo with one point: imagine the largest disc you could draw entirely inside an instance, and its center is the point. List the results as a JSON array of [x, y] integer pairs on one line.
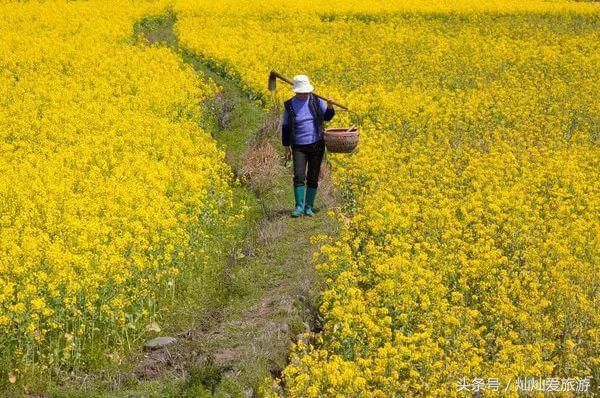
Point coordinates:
[[299, 195], [310, 201]]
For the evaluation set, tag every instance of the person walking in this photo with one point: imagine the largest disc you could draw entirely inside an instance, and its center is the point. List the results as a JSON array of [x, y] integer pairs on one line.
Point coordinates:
[[302, 135]]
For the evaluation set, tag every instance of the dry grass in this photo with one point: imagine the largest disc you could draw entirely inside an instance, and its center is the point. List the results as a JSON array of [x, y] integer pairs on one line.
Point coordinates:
[[262, 161], [261, 165], [269, 230], [219, 108]]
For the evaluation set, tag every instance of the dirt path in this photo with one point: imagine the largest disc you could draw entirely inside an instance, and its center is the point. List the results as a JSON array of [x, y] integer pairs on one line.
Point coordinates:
[[272, 288]]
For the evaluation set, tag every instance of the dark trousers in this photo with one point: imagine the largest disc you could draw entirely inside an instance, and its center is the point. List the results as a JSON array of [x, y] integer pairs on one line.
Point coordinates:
[[309, 155]]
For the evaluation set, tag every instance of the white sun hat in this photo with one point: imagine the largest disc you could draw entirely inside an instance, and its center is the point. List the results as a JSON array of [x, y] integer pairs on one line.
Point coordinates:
[[302, 85]]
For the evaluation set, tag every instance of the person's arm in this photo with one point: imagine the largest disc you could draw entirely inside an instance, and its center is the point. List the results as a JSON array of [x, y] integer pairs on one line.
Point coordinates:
[[327, 108], [286, 130]]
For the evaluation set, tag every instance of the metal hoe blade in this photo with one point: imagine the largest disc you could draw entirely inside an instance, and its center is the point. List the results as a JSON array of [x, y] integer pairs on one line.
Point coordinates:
[[272, 81]]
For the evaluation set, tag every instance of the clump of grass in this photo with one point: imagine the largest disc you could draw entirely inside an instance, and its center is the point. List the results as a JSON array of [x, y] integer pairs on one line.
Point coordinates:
[[261, 163], [260, 166], [156, 29], [220, 109], [204, 377]]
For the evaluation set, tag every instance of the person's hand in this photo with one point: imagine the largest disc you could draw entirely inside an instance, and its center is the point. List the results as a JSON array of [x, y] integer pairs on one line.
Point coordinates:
[[288, 153], [329, 103]]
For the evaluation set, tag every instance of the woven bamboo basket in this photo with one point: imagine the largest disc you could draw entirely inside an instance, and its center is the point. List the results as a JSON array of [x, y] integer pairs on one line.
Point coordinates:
[[341, 139]]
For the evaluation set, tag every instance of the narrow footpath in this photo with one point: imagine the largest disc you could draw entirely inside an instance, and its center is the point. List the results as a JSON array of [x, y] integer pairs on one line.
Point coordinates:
[[272, 289]]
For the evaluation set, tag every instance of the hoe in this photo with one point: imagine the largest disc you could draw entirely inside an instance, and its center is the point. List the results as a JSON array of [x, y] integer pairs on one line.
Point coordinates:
[[273, 76]]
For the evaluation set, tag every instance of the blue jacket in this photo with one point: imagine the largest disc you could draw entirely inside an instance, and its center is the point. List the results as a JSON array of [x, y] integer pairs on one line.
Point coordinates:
[[288, 127]]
